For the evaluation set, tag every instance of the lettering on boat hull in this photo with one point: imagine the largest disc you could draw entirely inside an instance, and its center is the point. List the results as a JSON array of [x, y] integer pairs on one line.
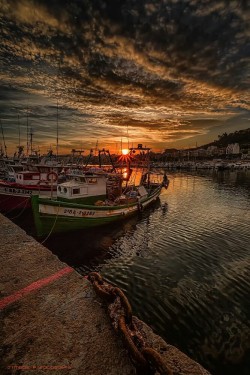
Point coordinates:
[[15, 191], [79, 213]]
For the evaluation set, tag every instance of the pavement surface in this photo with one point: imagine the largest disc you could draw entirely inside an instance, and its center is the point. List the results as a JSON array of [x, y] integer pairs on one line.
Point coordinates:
[[52, 322]]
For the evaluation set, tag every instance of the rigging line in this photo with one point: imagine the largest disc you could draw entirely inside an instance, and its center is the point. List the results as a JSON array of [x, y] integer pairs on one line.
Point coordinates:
[[53, 226], [16, 206], [20, 213]]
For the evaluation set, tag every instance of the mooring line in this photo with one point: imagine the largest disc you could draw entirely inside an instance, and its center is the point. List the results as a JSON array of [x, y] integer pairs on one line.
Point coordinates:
[[53, 226], [20, 213]]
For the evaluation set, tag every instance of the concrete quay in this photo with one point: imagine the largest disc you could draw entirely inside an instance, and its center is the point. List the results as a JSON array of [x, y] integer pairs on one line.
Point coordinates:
[[53, 322]]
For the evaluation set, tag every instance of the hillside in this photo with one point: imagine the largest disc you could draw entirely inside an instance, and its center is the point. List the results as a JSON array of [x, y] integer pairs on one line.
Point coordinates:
[[242, 137]]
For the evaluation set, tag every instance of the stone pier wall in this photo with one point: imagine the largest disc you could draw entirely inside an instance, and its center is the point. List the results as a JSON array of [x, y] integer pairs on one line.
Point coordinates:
[[53, 322]]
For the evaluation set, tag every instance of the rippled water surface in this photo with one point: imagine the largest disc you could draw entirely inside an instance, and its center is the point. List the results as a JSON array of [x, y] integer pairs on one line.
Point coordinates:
[[184, 265]]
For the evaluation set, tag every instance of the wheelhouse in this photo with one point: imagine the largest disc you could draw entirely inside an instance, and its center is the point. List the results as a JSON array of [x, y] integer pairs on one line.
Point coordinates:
[[82, 186]]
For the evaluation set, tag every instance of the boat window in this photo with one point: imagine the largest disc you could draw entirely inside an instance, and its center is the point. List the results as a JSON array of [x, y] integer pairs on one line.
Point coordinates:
[[27, 176], [64, 190], [59, 188], [76, 191], [82, 179], [92, 180]]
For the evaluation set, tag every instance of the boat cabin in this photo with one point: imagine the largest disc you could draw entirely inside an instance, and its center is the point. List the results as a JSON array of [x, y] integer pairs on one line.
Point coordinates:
[[27, 178], [11, 170], [82, 187]]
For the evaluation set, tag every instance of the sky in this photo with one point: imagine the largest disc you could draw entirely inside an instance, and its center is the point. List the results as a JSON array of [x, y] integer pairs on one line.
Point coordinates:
[[164, 73]]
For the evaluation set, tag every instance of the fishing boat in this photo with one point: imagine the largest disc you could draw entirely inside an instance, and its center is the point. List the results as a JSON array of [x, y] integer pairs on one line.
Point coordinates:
[[95, 199], [17, 188]]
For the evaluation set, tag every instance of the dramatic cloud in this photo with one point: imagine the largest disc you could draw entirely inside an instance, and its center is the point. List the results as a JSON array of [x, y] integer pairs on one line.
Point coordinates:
[[169, 73]]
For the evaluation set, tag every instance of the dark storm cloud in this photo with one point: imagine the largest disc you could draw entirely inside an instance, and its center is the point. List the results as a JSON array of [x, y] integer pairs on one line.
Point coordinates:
[[151, 65]]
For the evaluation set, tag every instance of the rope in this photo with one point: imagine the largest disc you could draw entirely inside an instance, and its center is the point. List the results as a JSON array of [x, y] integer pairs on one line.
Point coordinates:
[[53, 226], [20, 213], [16, 206]]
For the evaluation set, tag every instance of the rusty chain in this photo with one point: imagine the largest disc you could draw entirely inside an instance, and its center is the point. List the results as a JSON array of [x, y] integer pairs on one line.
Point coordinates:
[[146, 359]]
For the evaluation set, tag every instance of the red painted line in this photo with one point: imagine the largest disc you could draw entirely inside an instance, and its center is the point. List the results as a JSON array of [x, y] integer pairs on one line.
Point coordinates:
[[32, 287]]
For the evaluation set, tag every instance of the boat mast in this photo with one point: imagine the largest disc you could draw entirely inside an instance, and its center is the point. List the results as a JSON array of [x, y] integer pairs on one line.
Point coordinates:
[[57, 131], [19, 132], [31, 140], [5, 147], [89, 157], [128, 137], [57, 113], [96, 147], [27, 148]]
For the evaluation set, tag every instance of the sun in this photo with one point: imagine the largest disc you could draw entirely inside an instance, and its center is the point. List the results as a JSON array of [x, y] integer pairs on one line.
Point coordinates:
[[125, 156], [125, 151]]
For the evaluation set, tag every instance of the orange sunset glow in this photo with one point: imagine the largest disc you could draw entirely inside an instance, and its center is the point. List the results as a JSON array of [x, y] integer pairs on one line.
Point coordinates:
[[163, 73]]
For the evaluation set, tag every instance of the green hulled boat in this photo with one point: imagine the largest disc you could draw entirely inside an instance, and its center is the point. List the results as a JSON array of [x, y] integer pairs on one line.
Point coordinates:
[[89, 200]]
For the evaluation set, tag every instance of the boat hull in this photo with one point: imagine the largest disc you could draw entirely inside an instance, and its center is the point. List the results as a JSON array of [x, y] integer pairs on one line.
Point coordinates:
[[14, 202], [53, 216], [14, 197]]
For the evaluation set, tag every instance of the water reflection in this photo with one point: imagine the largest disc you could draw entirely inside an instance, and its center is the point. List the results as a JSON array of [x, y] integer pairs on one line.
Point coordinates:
[[187, 272], [88, 249], [184, 265]]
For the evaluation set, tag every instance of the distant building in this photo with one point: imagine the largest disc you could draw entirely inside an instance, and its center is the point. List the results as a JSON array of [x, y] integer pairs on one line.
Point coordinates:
[[222, 151], [170, 151], [212, 150], [233, 148], [199, 152], [245, 150]]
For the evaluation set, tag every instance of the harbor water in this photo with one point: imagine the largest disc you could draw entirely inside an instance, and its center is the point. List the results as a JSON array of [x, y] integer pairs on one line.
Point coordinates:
[[184, 265]]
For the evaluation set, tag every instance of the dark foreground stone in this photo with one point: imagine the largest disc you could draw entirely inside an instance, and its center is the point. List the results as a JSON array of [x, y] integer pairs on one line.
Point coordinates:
[[61, 327]]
